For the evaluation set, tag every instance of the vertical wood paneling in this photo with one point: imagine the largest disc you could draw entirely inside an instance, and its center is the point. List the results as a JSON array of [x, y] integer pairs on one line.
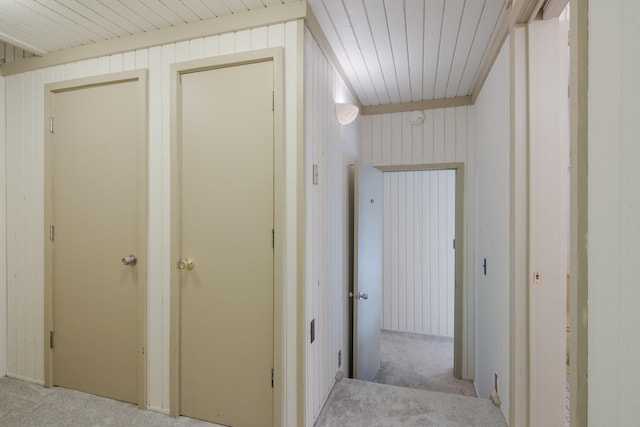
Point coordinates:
[[444, 136], [332, 147], [3, 233], [23, 96], [419, 213], [548, 165], [492, 216]]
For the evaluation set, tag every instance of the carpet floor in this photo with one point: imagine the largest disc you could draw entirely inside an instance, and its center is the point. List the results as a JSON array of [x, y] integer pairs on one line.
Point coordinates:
[[415, 386], [356, 403], [419, 361], [24, 404]]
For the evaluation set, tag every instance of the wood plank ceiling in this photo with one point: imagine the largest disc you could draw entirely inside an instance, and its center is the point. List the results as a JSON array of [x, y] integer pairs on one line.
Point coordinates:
[[402, 51], [390, 51], [44, 26]]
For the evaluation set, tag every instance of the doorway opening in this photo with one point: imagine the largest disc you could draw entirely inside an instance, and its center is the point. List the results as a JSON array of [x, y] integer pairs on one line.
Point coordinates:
[[422, 256]]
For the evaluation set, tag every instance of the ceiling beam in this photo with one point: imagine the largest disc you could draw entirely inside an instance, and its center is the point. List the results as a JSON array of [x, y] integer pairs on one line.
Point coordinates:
[[325, 47], [17, 43], [518, 13], [223, 24], [433, 104], [554, 8]]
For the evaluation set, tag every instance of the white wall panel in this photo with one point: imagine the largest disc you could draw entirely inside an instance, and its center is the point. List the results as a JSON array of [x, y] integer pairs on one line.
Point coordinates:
[[492, 291], [332, 147], [3, 233], [613, 212], [418, 261], [445, 135], [25, 168], [549, 179]]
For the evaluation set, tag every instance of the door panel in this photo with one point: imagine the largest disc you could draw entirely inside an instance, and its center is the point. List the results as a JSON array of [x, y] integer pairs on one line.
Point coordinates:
[[96, 212], [226, 311], [367, 243]]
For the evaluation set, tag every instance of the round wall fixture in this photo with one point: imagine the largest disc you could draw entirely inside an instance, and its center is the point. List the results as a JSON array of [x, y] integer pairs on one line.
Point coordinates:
[[416, 117]]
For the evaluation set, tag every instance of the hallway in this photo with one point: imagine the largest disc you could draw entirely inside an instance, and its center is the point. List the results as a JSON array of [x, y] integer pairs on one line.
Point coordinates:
[[415, 386], [418, 361]]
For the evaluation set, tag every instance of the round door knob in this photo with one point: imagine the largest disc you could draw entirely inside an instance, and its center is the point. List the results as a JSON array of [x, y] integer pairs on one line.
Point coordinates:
[[360, 295], [186, 264], [129, 260]]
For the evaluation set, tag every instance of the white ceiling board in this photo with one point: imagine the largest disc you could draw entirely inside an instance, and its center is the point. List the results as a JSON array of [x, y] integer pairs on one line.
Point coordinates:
[[139, 15], [91, 15], [398, 36], [367, 49], [337, 13], [38, 25], [78, 18], [490, 20], [414, 16], [24, 35], [431, 46], [468, 30], [45, 26], [453, 10], [382, 44], [182, 11], [401, 51], [235, 6], [217, 7], [165, 12], [333, 40], [199, 9]]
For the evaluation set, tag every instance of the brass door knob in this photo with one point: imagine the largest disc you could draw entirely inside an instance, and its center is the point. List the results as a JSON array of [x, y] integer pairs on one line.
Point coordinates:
[[186, 264]]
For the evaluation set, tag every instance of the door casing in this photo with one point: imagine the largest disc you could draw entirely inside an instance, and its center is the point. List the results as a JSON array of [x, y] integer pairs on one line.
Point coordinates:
[[460, 350], [276, 56], [50, 90]]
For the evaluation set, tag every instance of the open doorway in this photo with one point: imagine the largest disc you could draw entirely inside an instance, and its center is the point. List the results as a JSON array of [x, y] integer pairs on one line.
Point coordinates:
[[420, 310]]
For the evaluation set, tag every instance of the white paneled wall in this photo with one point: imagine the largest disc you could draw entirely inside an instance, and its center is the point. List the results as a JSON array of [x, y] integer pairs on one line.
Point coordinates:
[[332, 147], [492, 291], [419, 259], [3, 236], [613, 212], [25, 183], [444, 137]]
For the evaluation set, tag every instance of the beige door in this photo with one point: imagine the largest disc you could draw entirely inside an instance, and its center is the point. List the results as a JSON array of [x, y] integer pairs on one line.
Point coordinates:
[[95, 210], [226, 308]]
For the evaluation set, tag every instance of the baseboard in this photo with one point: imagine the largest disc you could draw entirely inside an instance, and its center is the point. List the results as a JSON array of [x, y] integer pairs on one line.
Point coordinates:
[[29, 380], [159, 410]]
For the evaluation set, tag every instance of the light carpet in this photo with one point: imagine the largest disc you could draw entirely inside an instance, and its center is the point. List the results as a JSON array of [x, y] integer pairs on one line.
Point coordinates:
[[419, 361], [24, 404], [356, 403]]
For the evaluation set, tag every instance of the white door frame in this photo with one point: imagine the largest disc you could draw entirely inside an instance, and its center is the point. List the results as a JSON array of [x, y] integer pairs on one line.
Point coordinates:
[[460, 328], [276, 56], [141, 76]]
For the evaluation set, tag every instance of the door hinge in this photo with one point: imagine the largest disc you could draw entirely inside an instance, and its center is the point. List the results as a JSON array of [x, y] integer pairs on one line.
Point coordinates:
[[273, 101], [52, 233], [273, 238], [271, 377], [51, 339], [50, 124], [454, 243]]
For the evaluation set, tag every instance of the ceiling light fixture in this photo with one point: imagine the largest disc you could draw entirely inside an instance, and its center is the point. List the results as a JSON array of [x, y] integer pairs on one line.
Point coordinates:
[[346, 113]]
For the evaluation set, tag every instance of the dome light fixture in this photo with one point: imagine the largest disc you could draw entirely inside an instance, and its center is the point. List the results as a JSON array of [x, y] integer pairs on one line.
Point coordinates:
[[346, 113]]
